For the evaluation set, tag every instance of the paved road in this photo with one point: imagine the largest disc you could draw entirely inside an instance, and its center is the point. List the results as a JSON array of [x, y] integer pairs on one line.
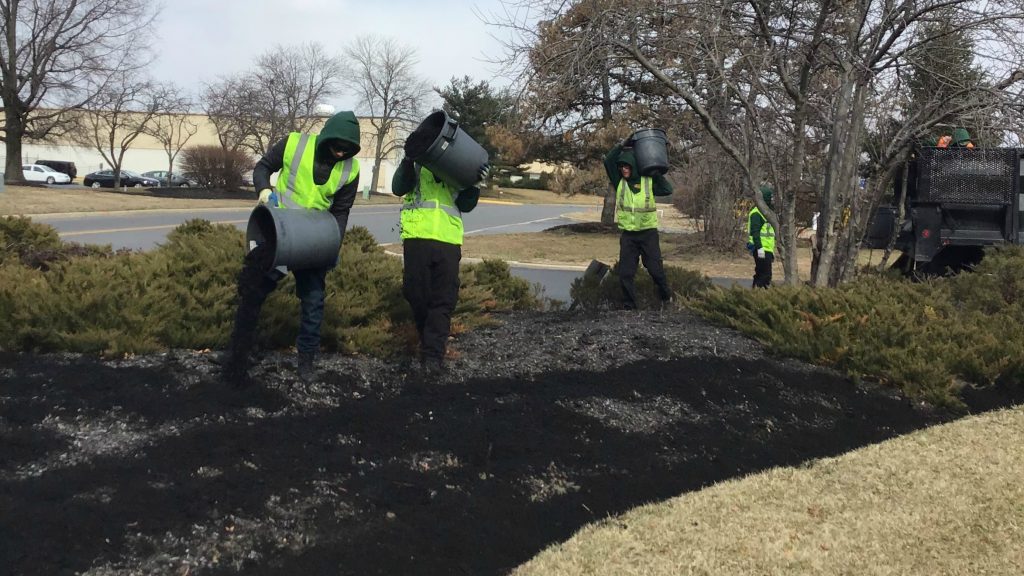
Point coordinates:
[[145, 230]]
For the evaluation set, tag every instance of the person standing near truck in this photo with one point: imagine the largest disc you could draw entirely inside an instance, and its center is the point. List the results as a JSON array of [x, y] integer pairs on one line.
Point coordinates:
[[317, 172], [761, 241], [637, 217]]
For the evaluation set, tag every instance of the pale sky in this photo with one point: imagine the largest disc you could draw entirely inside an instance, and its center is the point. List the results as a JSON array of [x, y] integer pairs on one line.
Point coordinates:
[[198, 41]]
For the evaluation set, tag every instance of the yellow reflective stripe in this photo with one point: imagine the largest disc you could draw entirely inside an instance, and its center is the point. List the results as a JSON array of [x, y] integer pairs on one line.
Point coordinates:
[[293, 173], [452, 211]]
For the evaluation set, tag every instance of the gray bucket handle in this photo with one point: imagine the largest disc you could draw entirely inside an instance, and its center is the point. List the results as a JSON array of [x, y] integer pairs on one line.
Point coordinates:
[[454, 126]]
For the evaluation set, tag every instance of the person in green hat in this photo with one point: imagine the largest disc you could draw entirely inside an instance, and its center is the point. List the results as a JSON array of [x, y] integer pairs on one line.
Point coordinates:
[[317, 172], [960, 138], [637, 218], [761, 241]]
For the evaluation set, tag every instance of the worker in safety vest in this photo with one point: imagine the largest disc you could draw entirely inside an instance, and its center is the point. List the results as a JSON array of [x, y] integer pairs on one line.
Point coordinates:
[[761, 241], [637, 217], [431, 222], [959, 139], [316, 172]]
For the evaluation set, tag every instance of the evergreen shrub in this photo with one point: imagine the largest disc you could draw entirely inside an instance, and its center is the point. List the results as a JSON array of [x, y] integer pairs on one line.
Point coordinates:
[[927, 338], [183, 295], [589, 293]]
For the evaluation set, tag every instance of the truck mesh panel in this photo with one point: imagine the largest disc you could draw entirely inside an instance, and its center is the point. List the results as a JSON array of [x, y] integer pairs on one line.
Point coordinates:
[[966, 176]]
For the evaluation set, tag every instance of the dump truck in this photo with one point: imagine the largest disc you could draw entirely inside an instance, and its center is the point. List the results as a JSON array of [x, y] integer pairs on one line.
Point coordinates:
[[958, 201]]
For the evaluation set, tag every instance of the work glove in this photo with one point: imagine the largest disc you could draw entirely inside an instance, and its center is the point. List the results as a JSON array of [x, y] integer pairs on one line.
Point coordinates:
[[484, 172], [750, 248], [265, 195], [760, 252]]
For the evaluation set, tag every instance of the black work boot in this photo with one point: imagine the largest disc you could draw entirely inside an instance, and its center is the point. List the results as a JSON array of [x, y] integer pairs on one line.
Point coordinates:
[[234, 370], [434, 367], [304, 369]]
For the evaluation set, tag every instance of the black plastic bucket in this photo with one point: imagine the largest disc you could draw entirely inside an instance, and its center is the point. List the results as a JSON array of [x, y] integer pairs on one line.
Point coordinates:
[[446, 150], [650, 146], [298, 239]]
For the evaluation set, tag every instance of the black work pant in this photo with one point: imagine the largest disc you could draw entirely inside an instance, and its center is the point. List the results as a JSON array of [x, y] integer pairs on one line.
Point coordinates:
[[254, 286], [763, 270], [634, 246], [430, 283]]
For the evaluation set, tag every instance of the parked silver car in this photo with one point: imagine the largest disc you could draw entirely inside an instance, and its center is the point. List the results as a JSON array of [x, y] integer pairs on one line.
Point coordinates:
[[175, 180]]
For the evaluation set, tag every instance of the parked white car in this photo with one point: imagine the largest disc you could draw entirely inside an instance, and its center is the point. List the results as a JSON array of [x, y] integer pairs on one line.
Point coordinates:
[[40, 173]]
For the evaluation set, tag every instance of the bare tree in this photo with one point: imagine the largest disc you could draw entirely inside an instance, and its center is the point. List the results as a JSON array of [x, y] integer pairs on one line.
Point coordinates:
[[382, 73], [174, 127], [796, 82], [124, 109], [223, 104], [56, 56], [279, 95]]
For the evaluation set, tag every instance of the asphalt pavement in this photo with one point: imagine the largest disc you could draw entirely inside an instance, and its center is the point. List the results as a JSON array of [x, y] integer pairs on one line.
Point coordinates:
[[144, 230]]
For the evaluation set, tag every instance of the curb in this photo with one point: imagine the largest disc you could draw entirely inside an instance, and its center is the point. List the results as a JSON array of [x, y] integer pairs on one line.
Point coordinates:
[[514, 263]]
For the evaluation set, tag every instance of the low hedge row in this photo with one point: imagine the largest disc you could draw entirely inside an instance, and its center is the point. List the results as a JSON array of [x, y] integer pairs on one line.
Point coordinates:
[[56, 296]]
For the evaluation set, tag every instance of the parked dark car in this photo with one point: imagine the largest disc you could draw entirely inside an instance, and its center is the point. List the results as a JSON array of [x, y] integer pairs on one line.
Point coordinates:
[[105, 179], [68, 168], [176, 179]]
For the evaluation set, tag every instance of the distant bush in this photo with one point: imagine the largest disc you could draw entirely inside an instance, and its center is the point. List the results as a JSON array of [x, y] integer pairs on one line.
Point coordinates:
[[541, 183], [215, 167], [590, 293], [183, 295], [587, 180], [39, 245]]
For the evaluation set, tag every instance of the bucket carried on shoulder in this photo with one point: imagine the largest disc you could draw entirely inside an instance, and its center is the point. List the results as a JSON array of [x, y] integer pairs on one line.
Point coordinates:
[[297, 239], [650, 147], [446, 150]]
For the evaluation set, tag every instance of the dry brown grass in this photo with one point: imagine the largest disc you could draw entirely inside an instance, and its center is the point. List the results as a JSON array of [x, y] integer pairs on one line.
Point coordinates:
[[574, 249], [525, 196], [29, 200], [680, 246], [947, 500]]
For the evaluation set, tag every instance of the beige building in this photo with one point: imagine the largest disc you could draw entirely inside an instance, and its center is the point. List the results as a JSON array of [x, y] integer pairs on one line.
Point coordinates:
[[146, 153]]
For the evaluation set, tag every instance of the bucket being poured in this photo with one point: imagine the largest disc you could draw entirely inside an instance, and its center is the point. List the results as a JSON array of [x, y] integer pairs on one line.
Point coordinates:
[[294, 238], [446, 150], [650, 147]]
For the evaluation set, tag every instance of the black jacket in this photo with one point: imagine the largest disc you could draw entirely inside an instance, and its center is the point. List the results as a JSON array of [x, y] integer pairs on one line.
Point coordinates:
[[273, 161], [616, 156], [407, 176]]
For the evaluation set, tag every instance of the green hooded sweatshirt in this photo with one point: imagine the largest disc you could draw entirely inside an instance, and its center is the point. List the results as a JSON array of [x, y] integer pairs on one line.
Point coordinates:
[[342, 126]]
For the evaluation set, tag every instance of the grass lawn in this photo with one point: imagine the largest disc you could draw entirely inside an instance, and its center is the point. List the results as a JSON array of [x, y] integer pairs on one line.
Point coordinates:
[[525, 196], [28, 200], [578, 249], [947, 500], [565, 247]]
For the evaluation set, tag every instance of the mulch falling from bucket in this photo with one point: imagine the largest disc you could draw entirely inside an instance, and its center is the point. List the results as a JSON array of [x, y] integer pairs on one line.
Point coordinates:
[[253, 286], [418, 143]]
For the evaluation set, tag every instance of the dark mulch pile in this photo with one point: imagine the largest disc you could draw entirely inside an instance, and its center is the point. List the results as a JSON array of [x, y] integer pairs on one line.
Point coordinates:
[[149, 465], [584, 228], [190, 193]]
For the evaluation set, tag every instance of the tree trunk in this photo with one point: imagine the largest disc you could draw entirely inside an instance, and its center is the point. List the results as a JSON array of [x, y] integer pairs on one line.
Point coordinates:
[[378, 154], [900, 214], [821, 264], [842, 188], [787, 198], [608, 208], [15, 132]]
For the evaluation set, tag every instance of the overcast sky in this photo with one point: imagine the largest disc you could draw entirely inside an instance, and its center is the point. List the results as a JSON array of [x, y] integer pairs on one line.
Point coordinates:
[[200, 40]]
